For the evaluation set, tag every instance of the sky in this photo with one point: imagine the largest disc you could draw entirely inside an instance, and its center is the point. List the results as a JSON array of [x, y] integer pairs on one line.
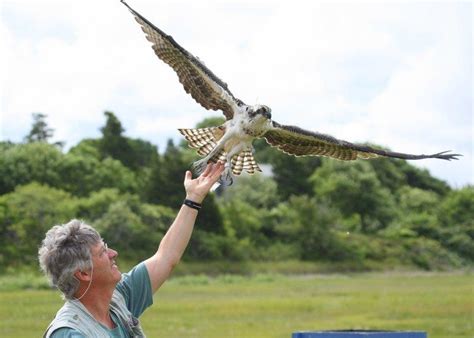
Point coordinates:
[[397, 74]]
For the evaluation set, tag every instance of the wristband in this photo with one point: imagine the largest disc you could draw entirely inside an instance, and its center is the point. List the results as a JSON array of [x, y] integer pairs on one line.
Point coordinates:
[[192, 204]]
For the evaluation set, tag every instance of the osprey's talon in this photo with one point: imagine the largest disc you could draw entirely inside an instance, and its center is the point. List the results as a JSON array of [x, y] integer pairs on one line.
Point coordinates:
[[229, 178], [226, 178], [199, 166]]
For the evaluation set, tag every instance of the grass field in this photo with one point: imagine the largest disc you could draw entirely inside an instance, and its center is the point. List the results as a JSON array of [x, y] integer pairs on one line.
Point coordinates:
[[275, 306]]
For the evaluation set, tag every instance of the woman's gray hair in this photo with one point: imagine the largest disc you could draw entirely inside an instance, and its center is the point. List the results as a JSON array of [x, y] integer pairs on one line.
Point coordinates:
[[66, 249]]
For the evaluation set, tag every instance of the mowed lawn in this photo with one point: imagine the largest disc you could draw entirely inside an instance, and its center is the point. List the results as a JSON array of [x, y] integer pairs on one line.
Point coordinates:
[[275, 306]]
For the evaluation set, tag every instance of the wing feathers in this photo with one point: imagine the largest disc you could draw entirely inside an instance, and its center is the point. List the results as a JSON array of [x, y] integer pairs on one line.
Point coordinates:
[[299, 142], [212, 93], [198, 80]]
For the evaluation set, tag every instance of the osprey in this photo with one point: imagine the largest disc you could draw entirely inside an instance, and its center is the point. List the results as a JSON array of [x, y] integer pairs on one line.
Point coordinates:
[[232, 141]]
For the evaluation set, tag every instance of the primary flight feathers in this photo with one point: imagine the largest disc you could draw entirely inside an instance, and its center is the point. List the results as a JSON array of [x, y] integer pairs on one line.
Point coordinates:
[[232, 141]]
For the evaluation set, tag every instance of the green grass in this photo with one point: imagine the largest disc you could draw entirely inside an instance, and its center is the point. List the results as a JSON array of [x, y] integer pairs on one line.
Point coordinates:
[[272, 305]]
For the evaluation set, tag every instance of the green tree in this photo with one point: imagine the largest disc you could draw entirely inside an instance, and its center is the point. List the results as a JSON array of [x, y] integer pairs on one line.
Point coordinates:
[[429, 254], [87, 148], [113, 144], [154, 182], [5, 145], [144, 153], [97, 203], [416, 200], [312, 227], [264, 153], [210, 217], [209, 246], [247, 205], [421, 178], [141, 153], [395, 173], [166, 182], [213, 121], [124, 231], [418, 214], [44, 163], [24, 163], [354, 189], [257, 190], [165, 186], [82, 175], [243, 220], [292, 174], [132, 227], [458, 207], [389, 172], [111, 173], [456, 214], [40, 132], [25, 216]]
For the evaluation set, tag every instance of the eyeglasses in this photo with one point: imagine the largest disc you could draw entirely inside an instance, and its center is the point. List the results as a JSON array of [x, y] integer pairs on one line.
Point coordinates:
[[105, 249]]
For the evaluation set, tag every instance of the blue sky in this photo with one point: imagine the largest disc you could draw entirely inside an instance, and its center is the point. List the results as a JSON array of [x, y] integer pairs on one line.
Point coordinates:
[[398, 74]]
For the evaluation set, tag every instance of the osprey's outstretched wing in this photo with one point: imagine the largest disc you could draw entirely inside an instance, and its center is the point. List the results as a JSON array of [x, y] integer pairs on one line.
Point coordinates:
[[299, 142], [198, 80]]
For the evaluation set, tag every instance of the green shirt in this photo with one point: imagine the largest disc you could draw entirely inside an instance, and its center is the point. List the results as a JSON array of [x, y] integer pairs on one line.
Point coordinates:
[[135, 287]]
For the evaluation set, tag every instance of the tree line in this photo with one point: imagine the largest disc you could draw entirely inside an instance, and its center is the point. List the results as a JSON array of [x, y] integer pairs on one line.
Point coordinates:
[[308, 208]]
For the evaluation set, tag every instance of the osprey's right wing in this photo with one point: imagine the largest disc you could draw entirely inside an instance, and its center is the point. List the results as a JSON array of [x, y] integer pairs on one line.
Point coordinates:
[[198, 80]]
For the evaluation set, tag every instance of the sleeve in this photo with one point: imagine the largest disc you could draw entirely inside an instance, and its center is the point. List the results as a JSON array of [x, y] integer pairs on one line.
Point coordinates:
[[135, 287], [66, 332]]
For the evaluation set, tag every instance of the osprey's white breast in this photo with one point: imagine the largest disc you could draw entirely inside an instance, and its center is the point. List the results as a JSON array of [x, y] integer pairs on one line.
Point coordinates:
[[242, 130]]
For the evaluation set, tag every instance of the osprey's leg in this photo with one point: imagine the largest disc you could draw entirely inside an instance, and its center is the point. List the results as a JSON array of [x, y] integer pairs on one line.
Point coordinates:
[[199, 166], [227, 178]]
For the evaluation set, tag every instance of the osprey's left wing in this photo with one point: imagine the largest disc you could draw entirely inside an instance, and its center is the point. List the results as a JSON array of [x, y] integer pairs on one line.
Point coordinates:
[[205, 87], [299, 142]]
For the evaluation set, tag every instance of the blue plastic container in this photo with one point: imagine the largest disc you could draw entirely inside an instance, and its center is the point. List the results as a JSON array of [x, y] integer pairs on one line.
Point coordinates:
[[360, 334]]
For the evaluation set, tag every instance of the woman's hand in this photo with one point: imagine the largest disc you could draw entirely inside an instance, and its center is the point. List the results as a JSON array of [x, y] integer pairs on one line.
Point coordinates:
[[197, 189]]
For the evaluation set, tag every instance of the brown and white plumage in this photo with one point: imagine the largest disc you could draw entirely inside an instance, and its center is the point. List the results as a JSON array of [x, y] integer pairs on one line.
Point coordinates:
[[205, 140], [232, 141], [198, 81]]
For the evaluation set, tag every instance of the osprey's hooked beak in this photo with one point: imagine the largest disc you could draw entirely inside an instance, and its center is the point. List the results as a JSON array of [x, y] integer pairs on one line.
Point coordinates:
[[265, 111]]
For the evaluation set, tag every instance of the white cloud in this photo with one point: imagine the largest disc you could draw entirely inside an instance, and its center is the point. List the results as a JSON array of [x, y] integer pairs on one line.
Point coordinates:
[[397, 74]]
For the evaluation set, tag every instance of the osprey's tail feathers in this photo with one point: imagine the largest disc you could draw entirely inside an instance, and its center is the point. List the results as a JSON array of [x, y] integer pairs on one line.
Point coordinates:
[[244, 161]]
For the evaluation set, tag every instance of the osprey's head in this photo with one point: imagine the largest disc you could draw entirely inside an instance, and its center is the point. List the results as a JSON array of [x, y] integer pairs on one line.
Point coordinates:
[[261, 110]]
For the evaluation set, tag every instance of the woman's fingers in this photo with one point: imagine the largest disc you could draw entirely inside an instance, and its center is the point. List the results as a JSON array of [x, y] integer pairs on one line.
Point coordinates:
[[207, 170], [188, 176], [216, 171]]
